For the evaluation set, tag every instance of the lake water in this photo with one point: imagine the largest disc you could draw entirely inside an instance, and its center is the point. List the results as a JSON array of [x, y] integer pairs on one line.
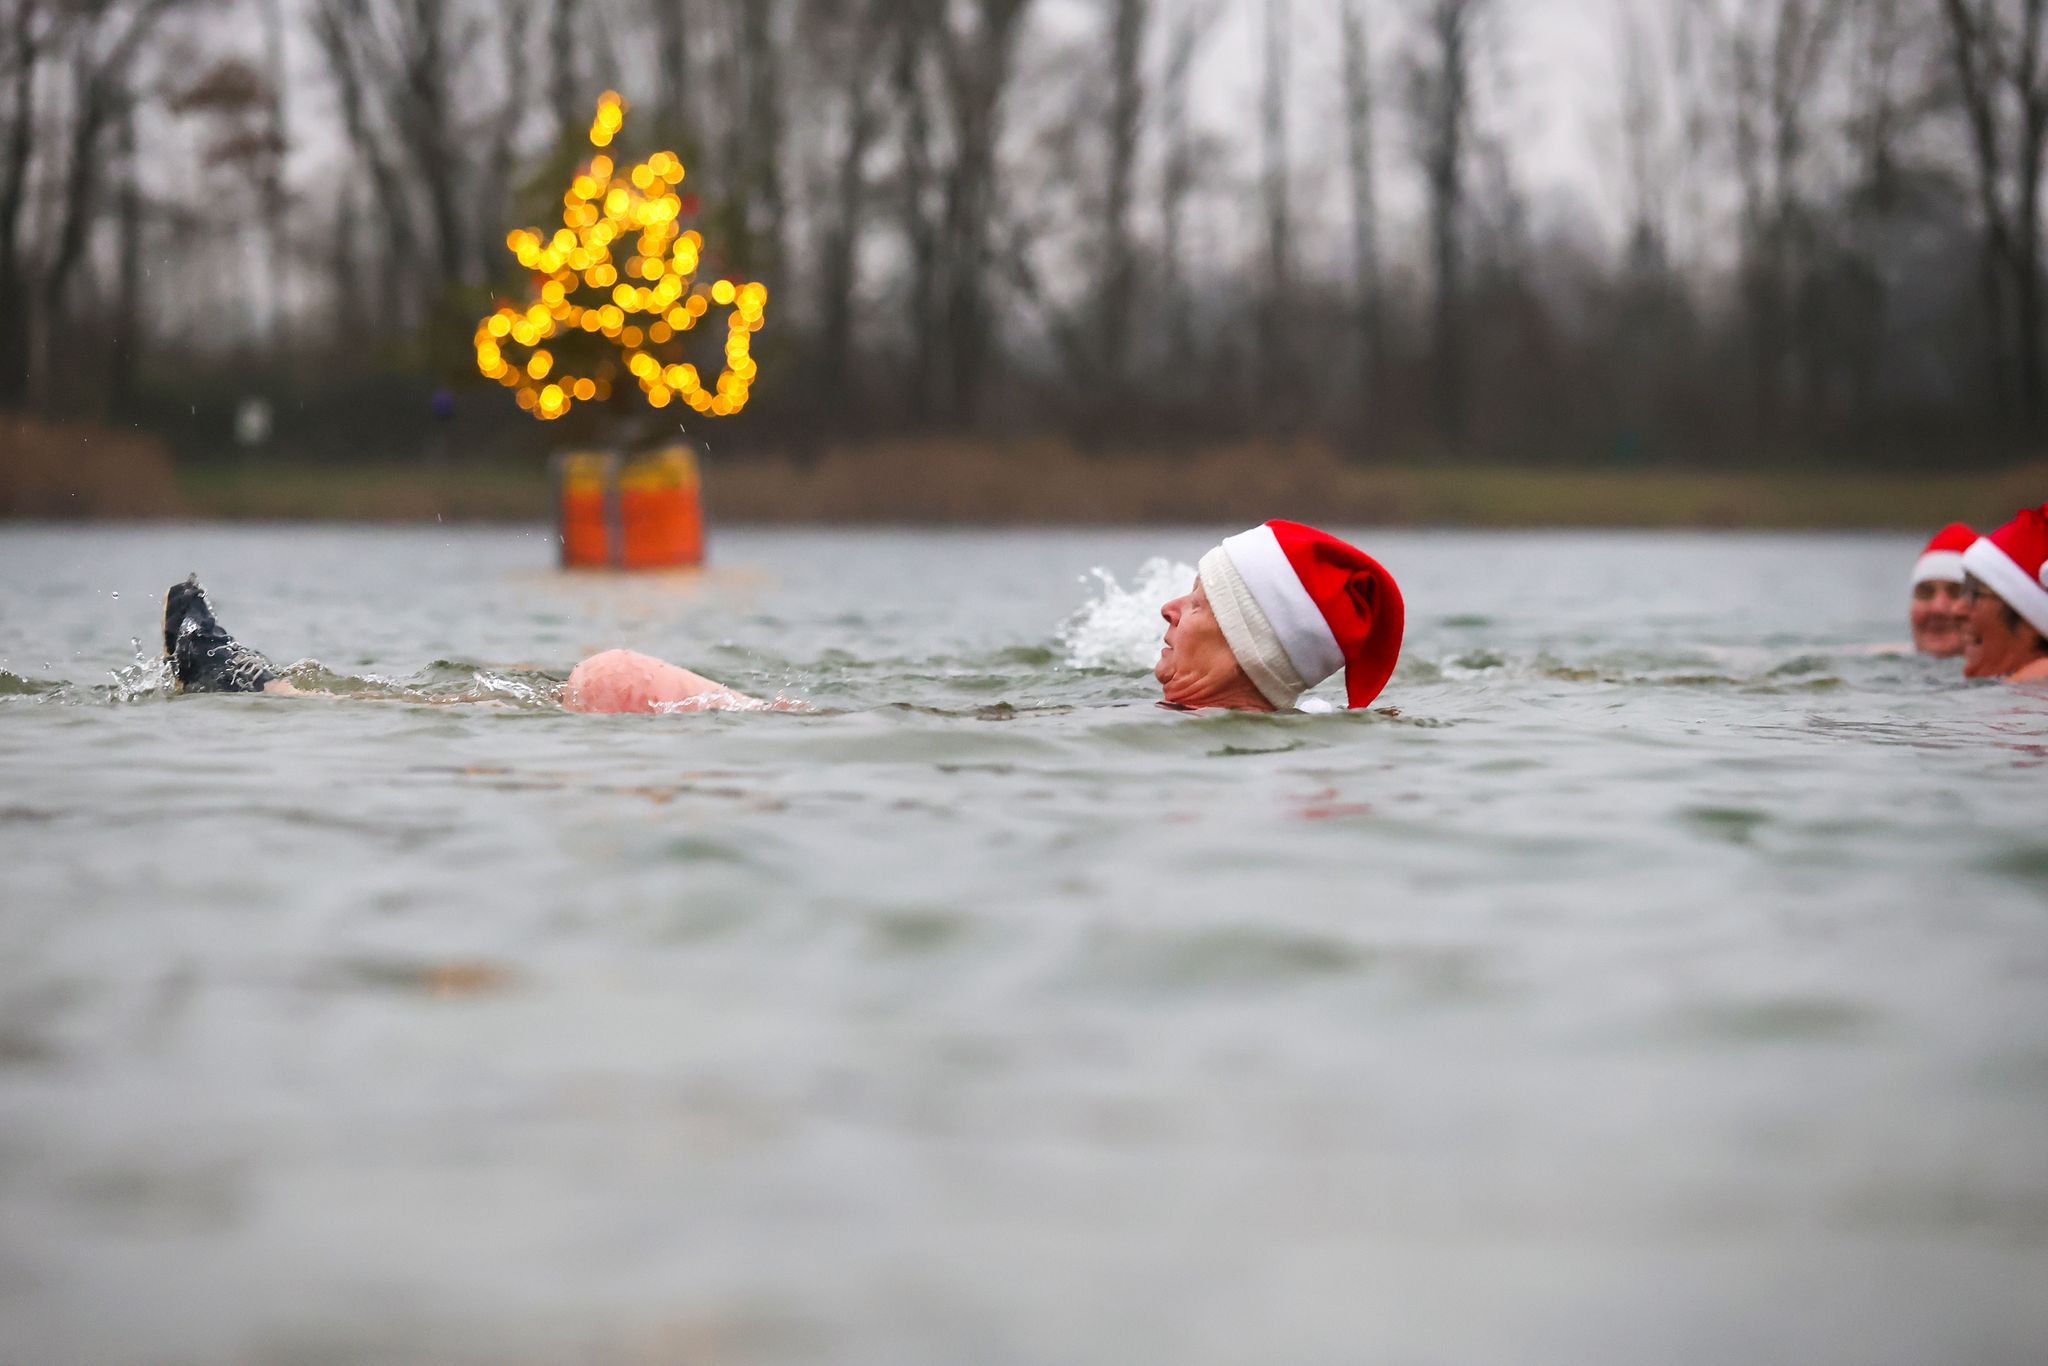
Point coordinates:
[[1658, 976]]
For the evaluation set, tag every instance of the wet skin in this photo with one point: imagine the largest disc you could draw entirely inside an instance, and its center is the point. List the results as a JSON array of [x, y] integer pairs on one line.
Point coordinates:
[[1937, 617], [1196, 668], [1997, 644]]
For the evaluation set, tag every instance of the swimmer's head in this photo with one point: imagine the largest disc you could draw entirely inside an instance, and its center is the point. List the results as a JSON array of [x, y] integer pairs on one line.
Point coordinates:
[[1275, 611], [1938, 610], [1197, 667], [2005, 628]]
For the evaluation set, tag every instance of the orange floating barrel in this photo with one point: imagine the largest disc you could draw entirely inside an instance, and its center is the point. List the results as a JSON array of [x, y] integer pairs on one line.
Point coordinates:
[[661, 511], [583, 484], [647, 513]]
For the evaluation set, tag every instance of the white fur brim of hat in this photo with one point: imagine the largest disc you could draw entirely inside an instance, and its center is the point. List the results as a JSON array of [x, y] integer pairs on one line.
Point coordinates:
[[1938, 566], [1999, 572], [1272, 624]]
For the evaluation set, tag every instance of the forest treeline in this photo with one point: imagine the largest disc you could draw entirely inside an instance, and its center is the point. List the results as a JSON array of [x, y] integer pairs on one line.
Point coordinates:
[[1050, 217]]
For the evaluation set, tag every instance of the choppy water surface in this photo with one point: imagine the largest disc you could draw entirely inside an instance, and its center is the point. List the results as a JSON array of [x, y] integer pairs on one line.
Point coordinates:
[[1658, 977]]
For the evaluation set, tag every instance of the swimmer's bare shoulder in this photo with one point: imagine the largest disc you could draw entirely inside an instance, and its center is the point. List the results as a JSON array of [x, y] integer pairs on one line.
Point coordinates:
[[624, 681]]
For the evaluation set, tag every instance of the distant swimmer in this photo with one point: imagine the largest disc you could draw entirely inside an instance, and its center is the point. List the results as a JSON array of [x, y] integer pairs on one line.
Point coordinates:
[[2005, 631], [1938, 609], [1273, 612]]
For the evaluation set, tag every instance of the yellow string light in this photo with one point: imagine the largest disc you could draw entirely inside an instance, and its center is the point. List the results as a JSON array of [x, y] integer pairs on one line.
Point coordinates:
[[642, 304]]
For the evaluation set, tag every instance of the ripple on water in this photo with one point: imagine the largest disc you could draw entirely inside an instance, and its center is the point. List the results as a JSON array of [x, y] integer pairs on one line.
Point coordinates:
[[17, 685], [22, 1045], [914, 932], [1778, 1019], [444, 681], [420, 977], [1730, 824], [1145, 730], [1223, 957], [1262, 958], [1802, 664], [2027, 862]]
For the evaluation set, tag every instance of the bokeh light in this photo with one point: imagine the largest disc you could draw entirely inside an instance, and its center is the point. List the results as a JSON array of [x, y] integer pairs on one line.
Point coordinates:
[[641, 304]]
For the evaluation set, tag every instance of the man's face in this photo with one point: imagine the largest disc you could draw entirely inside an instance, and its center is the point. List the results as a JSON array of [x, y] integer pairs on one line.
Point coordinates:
[[1994, 642], [1196, 668], [1937, 617]]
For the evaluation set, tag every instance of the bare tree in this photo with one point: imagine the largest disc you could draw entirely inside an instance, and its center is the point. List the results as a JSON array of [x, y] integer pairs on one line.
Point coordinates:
[[514, 34], [976, 64], [860, 62], [672, 33], [100, 43], [1440, 107], [1771, 60], [1885, 105], [29, 33], [916, 24], [1118, 287], [125, 348], [1645, 138], [1191, 21], [758, 142], [565, 80], [1275, 339], [1362, 149], [1996, 51], [1896, 49], [347, 65], [276, 219], [1788, 170], [392, 62]]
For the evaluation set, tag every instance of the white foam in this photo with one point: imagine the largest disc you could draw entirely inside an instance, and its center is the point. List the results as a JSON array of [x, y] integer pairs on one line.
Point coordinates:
[[149, 677], [1120, 628]]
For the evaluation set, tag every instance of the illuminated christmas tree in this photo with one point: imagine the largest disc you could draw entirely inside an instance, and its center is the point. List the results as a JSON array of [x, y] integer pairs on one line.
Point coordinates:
[[596, 318]]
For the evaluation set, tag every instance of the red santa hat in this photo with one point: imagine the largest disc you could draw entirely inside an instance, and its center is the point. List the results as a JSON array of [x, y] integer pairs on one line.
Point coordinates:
[[2013, 563], [1297, 604], [1942, 561]]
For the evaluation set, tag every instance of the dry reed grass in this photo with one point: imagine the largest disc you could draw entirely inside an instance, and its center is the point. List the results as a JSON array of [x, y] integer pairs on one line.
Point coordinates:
[[1049, 483], [83, 470], [76, 471]]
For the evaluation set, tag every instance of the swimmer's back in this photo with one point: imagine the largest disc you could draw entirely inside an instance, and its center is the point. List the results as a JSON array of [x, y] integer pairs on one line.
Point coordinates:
[[628, 681]]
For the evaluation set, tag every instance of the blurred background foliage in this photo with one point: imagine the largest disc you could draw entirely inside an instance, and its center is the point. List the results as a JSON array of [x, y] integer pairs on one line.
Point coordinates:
[[1304, 231]]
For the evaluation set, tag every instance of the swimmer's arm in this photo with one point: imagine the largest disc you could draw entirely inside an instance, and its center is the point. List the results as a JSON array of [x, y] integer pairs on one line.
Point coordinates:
[[625, 680], [694, 692], [698, 693], [714, 696]]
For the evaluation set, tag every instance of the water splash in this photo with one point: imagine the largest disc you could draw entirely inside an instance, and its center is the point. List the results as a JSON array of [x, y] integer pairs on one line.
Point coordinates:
[[444, 682], [1120, 629], [148, 679]]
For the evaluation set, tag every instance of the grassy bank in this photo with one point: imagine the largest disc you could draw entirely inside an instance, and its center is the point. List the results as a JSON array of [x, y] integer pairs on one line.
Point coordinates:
[[371, 493], [87, 473], [1026, 486]]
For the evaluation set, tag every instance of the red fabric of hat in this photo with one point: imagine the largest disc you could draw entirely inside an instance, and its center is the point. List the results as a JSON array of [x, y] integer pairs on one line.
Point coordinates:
[[1942, 560], [1297, 604], [1956, 536], [2013, 563], [1358, 599]]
